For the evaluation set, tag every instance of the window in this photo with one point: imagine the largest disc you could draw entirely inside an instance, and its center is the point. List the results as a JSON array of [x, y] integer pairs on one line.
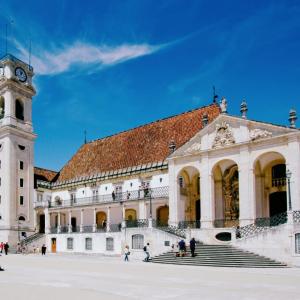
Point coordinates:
[[88, 244], [21, 182], [21, 165], [0, 199], [137, 241], [109, 244], [297, 243], [21, 218], [21, 200], [19, 110], [73, 197], [0, 217], [40, 197], [21, 147], [279, 171], [70, 243]]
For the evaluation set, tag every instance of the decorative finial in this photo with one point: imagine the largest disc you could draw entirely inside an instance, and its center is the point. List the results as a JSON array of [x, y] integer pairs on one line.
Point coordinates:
[[244, 109], [215, 96], [172, 146], [293, 118], [223, 106], [204, 119]]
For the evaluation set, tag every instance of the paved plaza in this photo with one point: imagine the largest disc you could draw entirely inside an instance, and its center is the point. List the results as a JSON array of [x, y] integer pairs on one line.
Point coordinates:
[[93, 277]]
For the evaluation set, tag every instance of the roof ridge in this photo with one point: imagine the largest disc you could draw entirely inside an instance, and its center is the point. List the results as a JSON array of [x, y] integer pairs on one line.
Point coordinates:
[[46, 169], [152, 122]]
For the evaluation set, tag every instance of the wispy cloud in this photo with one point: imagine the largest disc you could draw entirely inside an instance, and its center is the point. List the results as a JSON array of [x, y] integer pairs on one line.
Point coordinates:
[[60, 60]]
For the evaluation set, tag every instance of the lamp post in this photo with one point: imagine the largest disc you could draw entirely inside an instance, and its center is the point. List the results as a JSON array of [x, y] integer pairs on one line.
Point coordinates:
[[288, 176]]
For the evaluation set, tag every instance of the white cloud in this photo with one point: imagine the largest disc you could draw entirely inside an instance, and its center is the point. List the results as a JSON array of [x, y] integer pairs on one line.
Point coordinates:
[[61, 60]]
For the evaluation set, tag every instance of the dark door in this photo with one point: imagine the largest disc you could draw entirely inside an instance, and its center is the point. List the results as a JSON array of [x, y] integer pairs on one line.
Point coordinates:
[[53, 245], [277, 203], [198, 213], [42, 223], [73, 224]]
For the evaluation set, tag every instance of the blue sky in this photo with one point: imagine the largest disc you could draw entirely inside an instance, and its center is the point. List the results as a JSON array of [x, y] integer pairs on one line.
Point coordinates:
[[107, 66]]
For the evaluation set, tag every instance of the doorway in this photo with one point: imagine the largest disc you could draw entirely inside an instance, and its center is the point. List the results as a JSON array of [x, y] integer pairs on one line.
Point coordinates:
[[73, 224], [53, 245], [198, 213], [42, 224], [278, 203]]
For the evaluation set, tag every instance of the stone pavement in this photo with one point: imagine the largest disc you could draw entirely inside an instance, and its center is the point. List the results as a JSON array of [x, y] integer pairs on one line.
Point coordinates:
[[58, 277]]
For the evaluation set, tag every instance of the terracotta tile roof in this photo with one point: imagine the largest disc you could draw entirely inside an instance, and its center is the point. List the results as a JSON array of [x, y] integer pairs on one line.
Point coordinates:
[[141, 145], [44, 174]]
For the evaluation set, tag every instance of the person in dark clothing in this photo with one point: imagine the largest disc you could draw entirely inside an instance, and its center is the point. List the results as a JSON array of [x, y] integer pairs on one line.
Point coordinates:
[[6, 246], [238, 232], [192, 247], [182, 248], [44, 249], [113, 195]]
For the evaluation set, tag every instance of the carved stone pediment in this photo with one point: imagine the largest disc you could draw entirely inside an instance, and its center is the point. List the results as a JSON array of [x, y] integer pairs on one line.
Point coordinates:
[[256, 134], [223, 136], [195, 148]]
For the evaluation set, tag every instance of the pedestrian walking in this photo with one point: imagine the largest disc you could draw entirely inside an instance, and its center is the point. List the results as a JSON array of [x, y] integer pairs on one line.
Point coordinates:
[[1, 247], [126, 253], [192, 247], [44, 248], [147, 252], [182, 248], [6, 246]]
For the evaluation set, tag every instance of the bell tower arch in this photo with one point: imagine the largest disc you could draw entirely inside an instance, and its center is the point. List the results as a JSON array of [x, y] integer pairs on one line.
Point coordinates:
[[16, 149]]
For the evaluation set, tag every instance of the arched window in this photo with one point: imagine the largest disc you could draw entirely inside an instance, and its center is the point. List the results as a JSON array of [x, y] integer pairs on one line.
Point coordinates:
[[2, 107], [19, 110], [21, 218], [109, 244], [137, 241]]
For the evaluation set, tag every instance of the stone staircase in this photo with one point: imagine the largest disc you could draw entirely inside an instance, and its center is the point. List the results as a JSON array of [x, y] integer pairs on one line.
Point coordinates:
[[219, 256], [32, 238]]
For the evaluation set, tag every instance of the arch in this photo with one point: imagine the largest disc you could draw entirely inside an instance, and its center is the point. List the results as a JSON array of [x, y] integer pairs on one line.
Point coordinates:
[[21, 218], [130, 214], [270, 184], [2, 107], [226, 193], [162, 214], [101, 218], [188, 180], [19, 110]]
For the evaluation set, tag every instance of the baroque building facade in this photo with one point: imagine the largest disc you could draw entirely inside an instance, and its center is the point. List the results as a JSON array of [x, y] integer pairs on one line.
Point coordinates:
[[220, 178]]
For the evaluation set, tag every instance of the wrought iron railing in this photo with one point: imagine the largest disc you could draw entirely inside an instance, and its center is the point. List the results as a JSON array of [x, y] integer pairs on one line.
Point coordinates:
[[221, 223], [296, 216], [137, 223], [169, 228], [53, 230], [100, 228], [189, 224], [87, 228], [115, 227], [154, 193], [64, 229], [277, 182], [260, 225]]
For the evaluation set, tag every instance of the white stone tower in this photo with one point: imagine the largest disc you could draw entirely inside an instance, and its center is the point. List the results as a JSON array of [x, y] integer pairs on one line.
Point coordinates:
[[16, 150]]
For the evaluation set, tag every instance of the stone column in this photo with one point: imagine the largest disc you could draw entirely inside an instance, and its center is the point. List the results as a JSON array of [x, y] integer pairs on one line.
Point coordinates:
[[58, 223], [247, 201], [70, 221], [95, 220], [123, 216], [293, 164], [142, 210], [108, 221], [174, 195], [219, 199], [207, 194], [47, 221], [81, 220]]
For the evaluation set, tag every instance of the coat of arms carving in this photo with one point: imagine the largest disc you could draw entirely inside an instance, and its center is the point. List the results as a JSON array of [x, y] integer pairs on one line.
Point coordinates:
[[256, 134], [224, 136]]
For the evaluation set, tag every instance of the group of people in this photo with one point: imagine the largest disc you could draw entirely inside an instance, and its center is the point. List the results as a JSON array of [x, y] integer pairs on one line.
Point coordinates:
[[181, 246], [146, 249], [4, 247]]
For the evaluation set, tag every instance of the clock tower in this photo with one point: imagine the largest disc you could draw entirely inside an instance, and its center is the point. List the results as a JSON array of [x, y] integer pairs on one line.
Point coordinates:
[[16, 150]]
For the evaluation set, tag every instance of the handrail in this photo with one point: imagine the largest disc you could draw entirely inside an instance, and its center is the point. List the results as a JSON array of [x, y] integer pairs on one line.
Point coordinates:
[[154, 193]]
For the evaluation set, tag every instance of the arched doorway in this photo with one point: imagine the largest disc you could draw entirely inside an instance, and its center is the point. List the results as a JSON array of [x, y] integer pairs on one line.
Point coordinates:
[[270, 185], [162, 214], [101, 219], [19, 110], [130, 214], [226, 192], [42, 223], [189, 193]]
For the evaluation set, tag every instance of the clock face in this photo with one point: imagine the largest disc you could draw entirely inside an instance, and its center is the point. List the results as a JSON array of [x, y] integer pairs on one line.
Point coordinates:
[[21, 74]]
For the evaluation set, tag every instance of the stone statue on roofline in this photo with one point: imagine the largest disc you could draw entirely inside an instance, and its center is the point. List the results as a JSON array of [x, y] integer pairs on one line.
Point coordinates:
[[223, 106]]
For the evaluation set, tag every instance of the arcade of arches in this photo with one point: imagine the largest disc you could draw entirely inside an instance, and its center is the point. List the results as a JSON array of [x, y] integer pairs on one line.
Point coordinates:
[[269, 188]]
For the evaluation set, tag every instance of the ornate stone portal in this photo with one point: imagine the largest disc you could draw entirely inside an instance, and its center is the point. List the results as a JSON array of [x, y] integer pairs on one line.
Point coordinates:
[[231, 196], [224, 136]]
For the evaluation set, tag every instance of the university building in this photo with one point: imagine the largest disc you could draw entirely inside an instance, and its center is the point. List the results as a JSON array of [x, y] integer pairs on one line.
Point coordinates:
[[223, 179]]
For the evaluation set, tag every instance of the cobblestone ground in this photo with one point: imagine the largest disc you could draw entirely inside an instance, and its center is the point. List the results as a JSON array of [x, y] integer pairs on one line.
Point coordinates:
[[59, 277]]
